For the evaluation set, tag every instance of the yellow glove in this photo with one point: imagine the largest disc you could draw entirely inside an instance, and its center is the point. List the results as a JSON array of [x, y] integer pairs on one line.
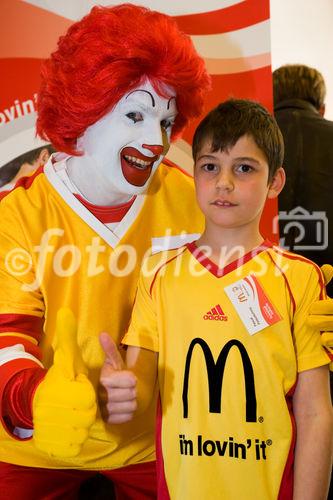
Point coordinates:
[[64, 405], [321, 315]]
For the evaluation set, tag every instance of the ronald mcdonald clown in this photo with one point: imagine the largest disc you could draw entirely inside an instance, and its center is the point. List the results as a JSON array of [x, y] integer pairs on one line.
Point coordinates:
[[122, 84]]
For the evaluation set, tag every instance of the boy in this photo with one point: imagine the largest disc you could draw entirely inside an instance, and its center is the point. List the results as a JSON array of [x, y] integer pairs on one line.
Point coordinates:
[[237, 366]]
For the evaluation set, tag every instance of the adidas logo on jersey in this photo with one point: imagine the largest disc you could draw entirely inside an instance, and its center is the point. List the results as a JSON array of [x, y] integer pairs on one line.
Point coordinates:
[[216, 314]]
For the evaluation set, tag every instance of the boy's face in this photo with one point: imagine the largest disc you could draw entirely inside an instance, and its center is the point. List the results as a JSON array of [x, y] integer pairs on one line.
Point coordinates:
[[232, 186]]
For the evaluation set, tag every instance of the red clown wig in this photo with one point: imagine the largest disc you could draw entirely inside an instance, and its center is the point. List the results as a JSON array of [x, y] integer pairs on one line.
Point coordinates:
[[109, 52]]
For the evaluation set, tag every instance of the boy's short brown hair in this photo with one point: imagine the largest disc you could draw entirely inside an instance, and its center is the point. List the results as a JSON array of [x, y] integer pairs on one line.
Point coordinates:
[[233, 119]]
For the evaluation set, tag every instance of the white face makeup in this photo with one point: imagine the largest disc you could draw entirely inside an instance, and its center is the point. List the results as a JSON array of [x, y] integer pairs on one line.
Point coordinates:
[[126, 146]]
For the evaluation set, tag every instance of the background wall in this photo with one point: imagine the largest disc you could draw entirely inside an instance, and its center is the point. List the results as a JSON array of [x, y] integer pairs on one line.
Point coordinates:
[[233, 36], [301, 32]]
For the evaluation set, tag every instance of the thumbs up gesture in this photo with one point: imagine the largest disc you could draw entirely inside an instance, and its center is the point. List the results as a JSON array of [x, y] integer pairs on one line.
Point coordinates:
[[119, 384], [64, 405]]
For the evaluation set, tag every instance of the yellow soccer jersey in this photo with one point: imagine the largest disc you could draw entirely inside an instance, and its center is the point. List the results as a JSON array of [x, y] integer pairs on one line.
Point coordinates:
[[227, 429], [55, 253]]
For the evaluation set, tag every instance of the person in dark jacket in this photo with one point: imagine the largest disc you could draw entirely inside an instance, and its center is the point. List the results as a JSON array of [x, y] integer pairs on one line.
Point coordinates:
[[305, 204]]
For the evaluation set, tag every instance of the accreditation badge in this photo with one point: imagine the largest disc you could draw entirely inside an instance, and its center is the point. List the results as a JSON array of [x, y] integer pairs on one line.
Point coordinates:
[[252, 304]]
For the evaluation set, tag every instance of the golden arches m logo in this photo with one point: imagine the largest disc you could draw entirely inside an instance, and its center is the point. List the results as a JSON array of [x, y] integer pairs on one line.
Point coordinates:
[[215, 372]]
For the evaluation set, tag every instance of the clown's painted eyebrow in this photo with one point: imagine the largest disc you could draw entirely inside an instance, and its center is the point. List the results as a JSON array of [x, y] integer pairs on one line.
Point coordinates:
[[173, 97], [147, 92]]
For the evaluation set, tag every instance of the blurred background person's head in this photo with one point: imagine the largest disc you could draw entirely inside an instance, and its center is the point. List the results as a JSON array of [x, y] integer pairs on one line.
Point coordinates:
[[24, 165], [297, 81]]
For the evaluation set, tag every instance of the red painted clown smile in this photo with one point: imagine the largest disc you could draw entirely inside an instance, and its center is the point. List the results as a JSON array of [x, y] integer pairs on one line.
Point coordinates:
[[135, 166]]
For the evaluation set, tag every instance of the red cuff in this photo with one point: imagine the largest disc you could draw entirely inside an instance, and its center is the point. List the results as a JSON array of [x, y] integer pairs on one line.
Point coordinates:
[[17, 398], [329, 353]]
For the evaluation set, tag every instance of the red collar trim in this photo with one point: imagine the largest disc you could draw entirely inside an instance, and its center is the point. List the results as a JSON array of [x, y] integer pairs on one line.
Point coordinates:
[[219, 272], [107, 214]]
